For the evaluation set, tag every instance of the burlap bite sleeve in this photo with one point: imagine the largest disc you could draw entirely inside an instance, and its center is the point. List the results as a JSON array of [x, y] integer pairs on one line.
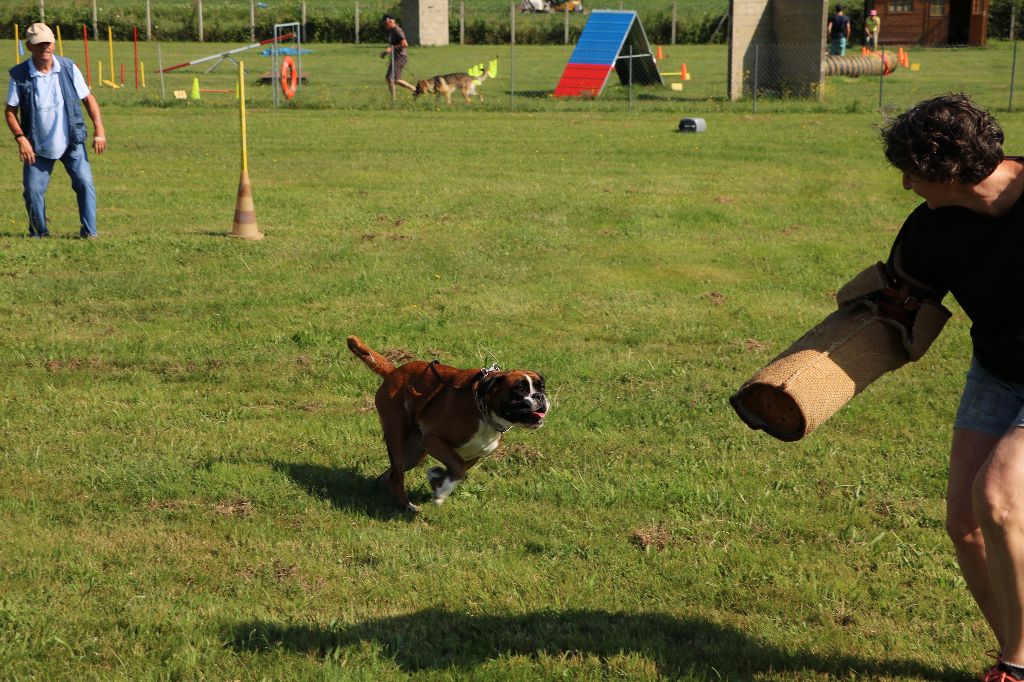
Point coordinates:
[[872, 332]]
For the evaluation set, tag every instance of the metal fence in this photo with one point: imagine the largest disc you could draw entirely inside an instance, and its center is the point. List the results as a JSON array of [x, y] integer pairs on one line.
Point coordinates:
[[470, 22]]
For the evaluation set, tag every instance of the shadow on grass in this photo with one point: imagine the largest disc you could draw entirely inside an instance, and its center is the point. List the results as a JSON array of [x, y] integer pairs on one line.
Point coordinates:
[[346, 489], [435, 639]]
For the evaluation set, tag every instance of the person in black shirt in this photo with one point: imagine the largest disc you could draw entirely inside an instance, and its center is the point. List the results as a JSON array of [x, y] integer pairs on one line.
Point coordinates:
[[838, 32], [965, 239], [396, 50]]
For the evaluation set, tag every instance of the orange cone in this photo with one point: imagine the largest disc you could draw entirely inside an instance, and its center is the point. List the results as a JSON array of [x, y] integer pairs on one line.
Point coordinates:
[[245, 212], [906, 59], [899, 56], [863, 50], [684, 75], [660, 55]]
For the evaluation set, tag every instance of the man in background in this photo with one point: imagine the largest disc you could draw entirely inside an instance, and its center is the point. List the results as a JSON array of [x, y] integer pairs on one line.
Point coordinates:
[[396, 50], [45, 117], [838, 32]]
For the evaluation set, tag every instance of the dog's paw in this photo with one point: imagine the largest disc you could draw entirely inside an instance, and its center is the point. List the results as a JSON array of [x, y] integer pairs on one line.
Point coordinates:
[[435, 476], [411, 508]]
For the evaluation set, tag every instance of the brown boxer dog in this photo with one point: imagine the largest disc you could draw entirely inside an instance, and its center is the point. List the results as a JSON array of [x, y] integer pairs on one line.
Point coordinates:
[[455, 415]]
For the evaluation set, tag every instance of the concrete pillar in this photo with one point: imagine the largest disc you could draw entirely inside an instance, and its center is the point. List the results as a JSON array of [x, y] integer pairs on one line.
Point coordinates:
[[425, 22]]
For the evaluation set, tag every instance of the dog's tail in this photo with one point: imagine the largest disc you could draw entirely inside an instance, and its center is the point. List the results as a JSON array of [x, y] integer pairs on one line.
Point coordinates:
[[374, 360]]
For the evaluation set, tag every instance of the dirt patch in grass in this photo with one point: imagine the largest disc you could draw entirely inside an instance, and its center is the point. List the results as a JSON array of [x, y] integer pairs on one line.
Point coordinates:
[[238, 507], [655, 538]]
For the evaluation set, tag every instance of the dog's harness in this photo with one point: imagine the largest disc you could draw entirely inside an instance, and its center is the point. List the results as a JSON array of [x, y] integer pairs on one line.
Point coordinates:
[[481, 384]]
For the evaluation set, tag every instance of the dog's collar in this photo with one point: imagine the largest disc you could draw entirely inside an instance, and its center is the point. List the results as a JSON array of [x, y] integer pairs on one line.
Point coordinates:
[[480, 390]]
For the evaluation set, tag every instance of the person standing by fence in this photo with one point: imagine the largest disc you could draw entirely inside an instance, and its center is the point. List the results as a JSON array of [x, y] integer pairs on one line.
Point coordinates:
[[47, 91], [838, 32], [872, 26], [396, 50]]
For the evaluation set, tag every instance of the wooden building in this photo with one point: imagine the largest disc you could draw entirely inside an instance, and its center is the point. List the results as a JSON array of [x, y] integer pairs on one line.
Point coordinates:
[[930, 22]]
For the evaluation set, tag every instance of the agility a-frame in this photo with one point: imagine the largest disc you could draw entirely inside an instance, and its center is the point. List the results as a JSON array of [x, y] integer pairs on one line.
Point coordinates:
[[611, 40]]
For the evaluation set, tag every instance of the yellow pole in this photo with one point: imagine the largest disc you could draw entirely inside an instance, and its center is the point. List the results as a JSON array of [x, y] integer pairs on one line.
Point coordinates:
[[142, 72], [99, 68], [110, 42], [241, 108], [17, 53], [60, 43]]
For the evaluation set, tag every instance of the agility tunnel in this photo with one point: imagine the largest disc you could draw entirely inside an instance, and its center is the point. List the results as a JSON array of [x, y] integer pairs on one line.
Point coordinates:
[[872, 64], [611, 41], [867, 336]]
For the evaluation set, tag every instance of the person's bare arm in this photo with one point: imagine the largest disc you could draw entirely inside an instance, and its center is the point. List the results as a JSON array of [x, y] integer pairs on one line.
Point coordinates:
[[25, 151], [99, 138]]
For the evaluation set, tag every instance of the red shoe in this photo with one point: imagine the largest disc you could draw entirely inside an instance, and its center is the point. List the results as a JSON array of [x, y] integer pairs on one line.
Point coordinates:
[[994, 674]]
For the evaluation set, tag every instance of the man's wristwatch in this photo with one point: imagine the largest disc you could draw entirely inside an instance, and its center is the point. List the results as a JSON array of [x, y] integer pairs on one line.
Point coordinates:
[[19, 135]]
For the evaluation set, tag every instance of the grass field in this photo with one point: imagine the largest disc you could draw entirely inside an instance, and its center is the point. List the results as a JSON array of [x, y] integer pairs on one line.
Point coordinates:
[[189, 450]]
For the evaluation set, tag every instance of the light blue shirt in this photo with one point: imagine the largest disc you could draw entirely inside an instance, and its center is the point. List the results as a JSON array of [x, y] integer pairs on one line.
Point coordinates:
[[53, 128]]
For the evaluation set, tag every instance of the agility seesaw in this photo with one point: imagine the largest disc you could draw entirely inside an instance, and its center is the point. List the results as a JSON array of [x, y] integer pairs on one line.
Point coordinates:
[[226, 55]]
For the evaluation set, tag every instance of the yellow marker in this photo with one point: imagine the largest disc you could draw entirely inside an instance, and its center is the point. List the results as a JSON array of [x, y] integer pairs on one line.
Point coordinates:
[[241, 109], [142, 72], [99, 69], [110, 43], [60, 43]]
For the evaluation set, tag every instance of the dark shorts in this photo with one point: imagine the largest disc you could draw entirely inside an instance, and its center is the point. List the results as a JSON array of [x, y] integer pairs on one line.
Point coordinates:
[[395, 68], [989, 404]]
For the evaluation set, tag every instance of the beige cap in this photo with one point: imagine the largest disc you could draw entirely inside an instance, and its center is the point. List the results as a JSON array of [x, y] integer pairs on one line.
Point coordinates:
[[39, 33]]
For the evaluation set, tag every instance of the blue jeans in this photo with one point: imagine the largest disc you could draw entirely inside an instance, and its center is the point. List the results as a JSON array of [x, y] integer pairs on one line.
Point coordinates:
[[36, 178], [837, 46]]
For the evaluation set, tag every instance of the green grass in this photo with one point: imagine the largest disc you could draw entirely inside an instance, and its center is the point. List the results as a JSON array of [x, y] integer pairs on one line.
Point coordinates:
[[188, 448]]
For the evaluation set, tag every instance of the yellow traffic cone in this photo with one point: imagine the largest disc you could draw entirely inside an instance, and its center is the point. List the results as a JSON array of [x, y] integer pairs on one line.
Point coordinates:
[[245, 212], [195, 88]]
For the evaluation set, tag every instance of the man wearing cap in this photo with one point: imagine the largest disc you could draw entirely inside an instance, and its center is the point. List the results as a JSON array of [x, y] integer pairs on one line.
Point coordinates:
[[872, 26], [396, 50], [45, 117]]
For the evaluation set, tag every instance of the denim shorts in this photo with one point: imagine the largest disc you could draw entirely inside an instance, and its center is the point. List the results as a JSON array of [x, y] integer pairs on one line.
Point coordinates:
[[988, 403]]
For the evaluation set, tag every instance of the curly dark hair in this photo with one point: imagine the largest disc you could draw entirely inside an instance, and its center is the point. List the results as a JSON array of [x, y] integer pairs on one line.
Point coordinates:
[[944, 139]]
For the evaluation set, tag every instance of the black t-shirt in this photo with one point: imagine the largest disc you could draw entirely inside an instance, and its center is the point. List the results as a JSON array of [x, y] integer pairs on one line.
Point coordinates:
[[979, 261], [839, 24]]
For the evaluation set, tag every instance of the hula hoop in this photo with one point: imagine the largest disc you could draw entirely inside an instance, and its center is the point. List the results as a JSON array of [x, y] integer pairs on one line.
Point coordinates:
[[289, 77]]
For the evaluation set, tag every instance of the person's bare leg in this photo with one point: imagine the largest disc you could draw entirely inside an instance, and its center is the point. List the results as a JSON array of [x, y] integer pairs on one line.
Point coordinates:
[[999, 507], [967, 456]]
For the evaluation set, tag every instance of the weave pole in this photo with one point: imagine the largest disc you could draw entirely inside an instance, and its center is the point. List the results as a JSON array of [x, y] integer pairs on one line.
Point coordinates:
[[244, 226]]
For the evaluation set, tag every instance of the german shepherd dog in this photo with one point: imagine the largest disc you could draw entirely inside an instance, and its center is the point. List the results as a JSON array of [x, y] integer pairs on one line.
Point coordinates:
[[452, 82]]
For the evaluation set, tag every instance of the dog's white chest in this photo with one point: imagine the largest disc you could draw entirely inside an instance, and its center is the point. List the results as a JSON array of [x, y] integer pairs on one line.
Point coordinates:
[[484, 442]]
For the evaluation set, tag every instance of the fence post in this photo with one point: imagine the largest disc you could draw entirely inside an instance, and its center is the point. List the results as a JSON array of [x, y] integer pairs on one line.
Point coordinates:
[[757, 55], [565, 40], [252, 20], [631, 77], [199, 11], [881, 81], [303, 36], [1013, 37], [42, 12], [462, 23], [149, 22], [95, 31], [512, 57], [673, 37], [357, 23]]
